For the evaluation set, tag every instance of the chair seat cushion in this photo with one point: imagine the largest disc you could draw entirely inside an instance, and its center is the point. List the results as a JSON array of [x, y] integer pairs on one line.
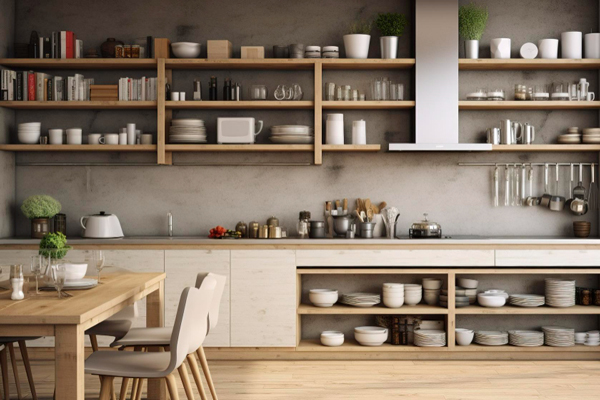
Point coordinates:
[[128, 364], [145, 337], [116, 328]]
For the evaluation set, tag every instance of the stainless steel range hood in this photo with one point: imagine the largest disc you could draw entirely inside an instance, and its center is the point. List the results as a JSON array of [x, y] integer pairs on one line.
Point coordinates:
[[436, 80]]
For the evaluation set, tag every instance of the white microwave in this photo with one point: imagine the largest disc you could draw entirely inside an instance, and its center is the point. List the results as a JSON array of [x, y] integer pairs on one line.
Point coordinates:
[[237, 130]]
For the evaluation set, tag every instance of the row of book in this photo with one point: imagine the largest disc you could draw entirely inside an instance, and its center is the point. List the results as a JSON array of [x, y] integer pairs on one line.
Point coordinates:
[[143, 89], [61, 44], [39, 86]]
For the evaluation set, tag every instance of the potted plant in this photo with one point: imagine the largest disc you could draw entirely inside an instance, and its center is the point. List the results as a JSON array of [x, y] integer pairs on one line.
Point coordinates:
[[39, 209], [53, 247], [391, 26], [356, 43], [472, 20]]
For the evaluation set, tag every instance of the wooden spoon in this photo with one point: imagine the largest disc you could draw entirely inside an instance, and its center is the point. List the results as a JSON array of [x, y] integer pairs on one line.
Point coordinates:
[[367, 205], [375, 209], [370, 214], [382, 205]]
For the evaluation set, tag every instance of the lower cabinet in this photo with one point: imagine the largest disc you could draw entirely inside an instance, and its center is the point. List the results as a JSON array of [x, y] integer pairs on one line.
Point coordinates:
[[182, 266], [263, 298]]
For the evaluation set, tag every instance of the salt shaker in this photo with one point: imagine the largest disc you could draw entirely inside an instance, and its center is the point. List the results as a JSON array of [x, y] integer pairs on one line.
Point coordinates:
[[17, 281]]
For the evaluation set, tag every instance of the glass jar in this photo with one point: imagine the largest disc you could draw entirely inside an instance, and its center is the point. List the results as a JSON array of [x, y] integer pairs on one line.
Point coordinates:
[[303, 226], [119, 51], [127, 51], [495, 94], [477, 95], [135, 51], [346, 92], [520, 92], [258, 92]]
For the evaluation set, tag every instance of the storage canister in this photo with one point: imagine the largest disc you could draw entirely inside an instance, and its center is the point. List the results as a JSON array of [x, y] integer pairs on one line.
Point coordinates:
[[317, 230]]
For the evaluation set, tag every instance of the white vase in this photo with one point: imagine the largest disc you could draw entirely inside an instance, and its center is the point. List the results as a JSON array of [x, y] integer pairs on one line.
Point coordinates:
[[357, 45], [571, 45], [592, 45], [500, 48], [548, 48]]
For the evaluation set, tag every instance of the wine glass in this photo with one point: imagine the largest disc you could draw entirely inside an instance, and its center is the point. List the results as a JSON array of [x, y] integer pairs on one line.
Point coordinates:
[[59, 273], [37, 262], [98, 258]]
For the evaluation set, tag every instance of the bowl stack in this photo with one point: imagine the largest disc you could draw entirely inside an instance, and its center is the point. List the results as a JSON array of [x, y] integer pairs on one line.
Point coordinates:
[[560, 292], [323, 297], [526, 338], [429, 338], [491, 338], [526, 300], [573, 136], [361, 299], [187, 131], [591, 136], [592, 338], [582, 229], [557, 336], [29, 133], [413, 293], [464, 337], [460, 300], [431, 288], [393, 295], [332, 338], [370, 335], [292, 134]]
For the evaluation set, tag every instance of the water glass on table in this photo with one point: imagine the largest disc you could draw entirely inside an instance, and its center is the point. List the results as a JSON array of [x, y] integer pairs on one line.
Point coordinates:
[[98, 260], [59, 273], [37, 262]]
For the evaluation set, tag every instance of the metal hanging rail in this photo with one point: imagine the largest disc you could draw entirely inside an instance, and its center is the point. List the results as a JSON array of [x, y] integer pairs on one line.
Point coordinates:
[[521, 164]]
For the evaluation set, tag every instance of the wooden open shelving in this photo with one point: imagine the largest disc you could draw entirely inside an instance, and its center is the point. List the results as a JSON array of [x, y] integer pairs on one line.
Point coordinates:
[[543, 310], [241, 105], [368, 105], [266, 148], [79, 147], [291, 63], [365, 148], [546, 147], [528, 105], [341, 309], [79, 105], [515, 64], [79, 63], [352, 345]]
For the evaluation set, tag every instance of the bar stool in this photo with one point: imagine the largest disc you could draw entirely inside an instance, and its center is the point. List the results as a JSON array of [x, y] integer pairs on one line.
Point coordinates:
[[188, 334], [7, 345]]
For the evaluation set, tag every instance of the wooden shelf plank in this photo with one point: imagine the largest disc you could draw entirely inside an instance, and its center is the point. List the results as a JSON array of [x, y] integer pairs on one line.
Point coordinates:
[[368, 63], [351, 147], [522, 64], [544, 310], [291, 63], [79, 105], [368, 105], [240, 147], [352, 345], [340, 309], [246, 105], [82, 147], [528, 105], [509, 348], [80, 63], [547, 147]]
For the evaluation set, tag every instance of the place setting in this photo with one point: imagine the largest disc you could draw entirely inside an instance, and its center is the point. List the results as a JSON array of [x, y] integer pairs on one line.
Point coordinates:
[[361, 299]]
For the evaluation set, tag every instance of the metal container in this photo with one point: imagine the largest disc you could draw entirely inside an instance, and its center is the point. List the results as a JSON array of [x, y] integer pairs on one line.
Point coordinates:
[[341, 224], [60, 223], [263, 232], [253, 229], [493, 136], [389, 46], [243, 228], [366, 230], [274, 221], [472, 49], [274, 232], [528, 135], [425, 229], [317, 230]]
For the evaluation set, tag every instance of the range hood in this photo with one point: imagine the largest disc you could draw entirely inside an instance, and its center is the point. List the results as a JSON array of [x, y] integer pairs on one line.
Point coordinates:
[[436, 80]]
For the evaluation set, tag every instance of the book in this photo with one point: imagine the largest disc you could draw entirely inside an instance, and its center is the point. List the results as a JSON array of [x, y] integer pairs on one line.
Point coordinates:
[[70, 44], [79, 48], [31, 85], [19, 91], [63, 44], [40, 47]]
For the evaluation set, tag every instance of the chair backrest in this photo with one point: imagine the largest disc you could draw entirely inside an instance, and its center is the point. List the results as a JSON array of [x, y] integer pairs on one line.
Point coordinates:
[[129, 312], [215, 304], [189, 330]]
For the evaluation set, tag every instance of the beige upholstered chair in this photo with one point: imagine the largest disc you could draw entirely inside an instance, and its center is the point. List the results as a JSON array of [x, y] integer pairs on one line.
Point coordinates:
[[187, 336], [7, 344]]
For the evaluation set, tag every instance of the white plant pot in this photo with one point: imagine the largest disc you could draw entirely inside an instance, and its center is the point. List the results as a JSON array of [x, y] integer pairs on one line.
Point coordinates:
[[389, 46], [357, 45], [500, 48]]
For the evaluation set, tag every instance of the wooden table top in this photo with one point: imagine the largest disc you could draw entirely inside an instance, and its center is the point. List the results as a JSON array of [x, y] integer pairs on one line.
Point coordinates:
[[48, 309]]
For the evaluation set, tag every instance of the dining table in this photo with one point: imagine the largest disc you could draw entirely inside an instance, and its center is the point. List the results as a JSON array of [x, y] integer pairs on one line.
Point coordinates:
[[67, 319]]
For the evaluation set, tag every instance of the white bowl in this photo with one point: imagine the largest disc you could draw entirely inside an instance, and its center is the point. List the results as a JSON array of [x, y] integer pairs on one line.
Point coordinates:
[[410, 300], [394, 285], [432, 283], [491, 300], [464, 337], [432, 299], [323, 297], [395, 302], [186, 49], [399, 289], [332, 338], [75, 272], [468, 283], [29, 137], [499, 292], [370, 336]]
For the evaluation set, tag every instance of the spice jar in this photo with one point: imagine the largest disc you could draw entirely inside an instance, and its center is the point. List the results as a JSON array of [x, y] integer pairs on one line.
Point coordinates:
[[317, 229], [119, 51], [303, 226], [127, 51], [242, 228], [135, 51], [597, 297], [253, 228], [520, 92], [586, 297]]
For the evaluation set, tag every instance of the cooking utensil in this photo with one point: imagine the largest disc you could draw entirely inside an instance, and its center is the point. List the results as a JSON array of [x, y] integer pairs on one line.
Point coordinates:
[[531, 200], [516, 186], [570, 200], [425, 229], [557, 203], [357, 213], [593, 190], [382, 205], [507, 186], [545, 200], [496, 187], [579, 205], [370, 214], [341, 224]]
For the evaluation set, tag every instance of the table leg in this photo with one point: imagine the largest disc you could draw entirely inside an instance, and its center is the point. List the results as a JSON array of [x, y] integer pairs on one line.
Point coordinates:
[[155, 317], [69, 362]]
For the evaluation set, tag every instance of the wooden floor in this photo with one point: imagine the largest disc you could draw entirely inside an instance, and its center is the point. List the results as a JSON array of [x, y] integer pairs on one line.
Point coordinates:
[[435, 380]]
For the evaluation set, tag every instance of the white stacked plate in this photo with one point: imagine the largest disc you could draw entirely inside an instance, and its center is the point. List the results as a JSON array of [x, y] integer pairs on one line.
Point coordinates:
[[526, 338], [29, 132], [75, 284], [569, 138], [527, 300], [558, 336], [591, 135], [187, 131], [491, 338], [361, 299], [560, 292], [292, 134], [429, 338]]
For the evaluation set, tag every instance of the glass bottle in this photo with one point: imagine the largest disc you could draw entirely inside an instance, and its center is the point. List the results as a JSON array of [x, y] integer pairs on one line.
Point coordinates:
[[303, 225]]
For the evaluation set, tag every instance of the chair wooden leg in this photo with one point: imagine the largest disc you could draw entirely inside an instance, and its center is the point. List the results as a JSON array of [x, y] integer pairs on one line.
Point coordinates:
[[196, 374], [139, 391], [4, 369], [204, 363], [26, 363], [172, 387], [185, 380], [124, 387], [107, 387], [136, 381], [94, 341], [13, 360]]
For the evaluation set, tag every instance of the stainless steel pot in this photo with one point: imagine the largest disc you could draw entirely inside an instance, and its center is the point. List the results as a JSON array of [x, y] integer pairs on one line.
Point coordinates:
[[341, 224], [425, 229]]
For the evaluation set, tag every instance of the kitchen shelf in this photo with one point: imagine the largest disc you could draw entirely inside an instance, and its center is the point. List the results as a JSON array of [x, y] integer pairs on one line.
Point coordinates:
[[547, 147], [528, 105], [290, 63], [368, 105], [488, 64], [79, 105], [239, 147], [541, 349], [351, 147], [543, 310], [79, 147], [238, 105], [80, 63], [352, 345], [340, 309]]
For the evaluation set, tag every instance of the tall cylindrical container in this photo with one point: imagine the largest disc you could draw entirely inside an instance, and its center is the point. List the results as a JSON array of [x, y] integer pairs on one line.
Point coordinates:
[[359, 132], [335, 129], [389, 46], [472, 49], [592, 45], [130, 133], [571, 44]]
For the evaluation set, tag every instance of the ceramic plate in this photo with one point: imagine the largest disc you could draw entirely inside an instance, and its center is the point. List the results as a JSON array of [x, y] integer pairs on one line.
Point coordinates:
[[292, 139]]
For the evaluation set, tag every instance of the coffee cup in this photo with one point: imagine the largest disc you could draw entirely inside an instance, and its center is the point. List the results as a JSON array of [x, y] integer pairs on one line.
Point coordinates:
[[123, 138], [111, 138], [174, 96], [591, 96], [95, 138], [55, 136], [74, 136], [147, 138]]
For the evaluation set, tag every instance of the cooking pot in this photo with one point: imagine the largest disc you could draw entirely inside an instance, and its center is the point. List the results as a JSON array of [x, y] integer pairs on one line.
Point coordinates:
[[425, 229], [101, 226]]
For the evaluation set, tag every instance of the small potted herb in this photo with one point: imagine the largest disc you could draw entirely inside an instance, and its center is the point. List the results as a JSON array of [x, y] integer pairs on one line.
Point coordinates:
[[391, 26], [40, 209], [472, 20], [53, 247], [356, 43]]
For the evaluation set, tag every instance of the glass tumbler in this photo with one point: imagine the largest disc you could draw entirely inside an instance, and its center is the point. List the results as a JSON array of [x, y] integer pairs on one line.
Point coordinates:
[[258, 92], [329, 91]]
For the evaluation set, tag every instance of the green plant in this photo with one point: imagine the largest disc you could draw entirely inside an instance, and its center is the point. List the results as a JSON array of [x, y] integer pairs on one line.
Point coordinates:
[[391, 24], [472, 20], [40, 206], [360, 27], [54, 245]]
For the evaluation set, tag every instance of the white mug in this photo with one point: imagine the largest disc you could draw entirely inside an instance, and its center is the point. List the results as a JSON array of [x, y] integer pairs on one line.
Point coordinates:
[[74, 136], [174, 96], [591, 96], [123, 137], [334, 128], [95, 138], [500, 48], [55, 136], [147, 138], [548, 48], [111, 138], [181, 96], [592, 45]]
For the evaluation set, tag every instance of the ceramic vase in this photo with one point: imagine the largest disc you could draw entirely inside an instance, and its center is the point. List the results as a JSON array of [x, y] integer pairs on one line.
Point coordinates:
[[500, 48], [357, 45], [108, 48]]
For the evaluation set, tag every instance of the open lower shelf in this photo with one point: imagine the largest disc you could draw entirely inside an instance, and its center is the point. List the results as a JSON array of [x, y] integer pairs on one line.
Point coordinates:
[[352, 345], [543, 310], [528, 105], [489, 64], [245, 105], [351, 147], [508, 347], [546, 147], [339, 309], [79, 105], [79, 147], [368, 105], [240, 147], [80, 63], [290, 63]]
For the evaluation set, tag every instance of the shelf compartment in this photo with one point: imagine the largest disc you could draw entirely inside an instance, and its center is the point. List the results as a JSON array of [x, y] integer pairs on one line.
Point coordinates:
[[290, 63], [240, 105], [80, 63], [79, 105], [352, 345], [543, 310], [340, 309], [547, 147], [351, 147], [541, 349], [79, 147], [239, 147], [528, 105], [368, 105], [489, 64], [367, 64]]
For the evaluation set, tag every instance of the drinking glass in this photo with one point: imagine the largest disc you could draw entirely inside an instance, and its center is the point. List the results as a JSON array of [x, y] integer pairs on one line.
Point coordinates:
[[98, 259], [36, 268], [59, 272]]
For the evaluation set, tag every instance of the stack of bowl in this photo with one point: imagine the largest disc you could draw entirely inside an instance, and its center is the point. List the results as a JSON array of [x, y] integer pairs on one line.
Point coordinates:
[[413, 293], [370, 335], [393, 295], [592, 338], [470, 289], [432, 287], [323, 297], [464, 337], [460, 300], [582, 229], [332, 338], [29, 132]]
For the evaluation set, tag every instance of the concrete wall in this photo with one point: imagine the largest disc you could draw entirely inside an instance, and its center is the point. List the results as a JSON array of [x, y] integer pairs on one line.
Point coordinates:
[[459, 198]]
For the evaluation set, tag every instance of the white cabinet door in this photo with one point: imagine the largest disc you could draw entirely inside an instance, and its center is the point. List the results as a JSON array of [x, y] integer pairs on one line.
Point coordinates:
[[263, 298], [547, 258], [182, 266]]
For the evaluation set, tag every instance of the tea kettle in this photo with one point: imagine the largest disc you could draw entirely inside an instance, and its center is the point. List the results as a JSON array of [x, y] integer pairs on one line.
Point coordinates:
[[101, 226]]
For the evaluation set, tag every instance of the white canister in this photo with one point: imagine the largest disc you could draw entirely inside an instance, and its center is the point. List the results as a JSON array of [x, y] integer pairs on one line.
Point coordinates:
[[123, 137], [379, 228], [359, 132], [548, 48], [147, 138], [529, 51], [111, 138], [592, 45], [174, 96], [335, 129], [571, 44], [55, 136], [130, 133], [500, 48], [74, 136]]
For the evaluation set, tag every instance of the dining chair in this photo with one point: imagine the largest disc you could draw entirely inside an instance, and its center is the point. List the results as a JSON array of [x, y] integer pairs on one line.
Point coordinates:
[[159, 337], [188, 334], [8, 345]]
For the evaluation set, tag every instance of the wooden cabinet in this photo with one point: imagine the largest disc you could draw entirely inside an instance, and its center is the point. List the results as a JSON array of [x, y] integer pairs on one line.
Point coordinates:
[[547, 258], [182, 266], [263, 298]]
